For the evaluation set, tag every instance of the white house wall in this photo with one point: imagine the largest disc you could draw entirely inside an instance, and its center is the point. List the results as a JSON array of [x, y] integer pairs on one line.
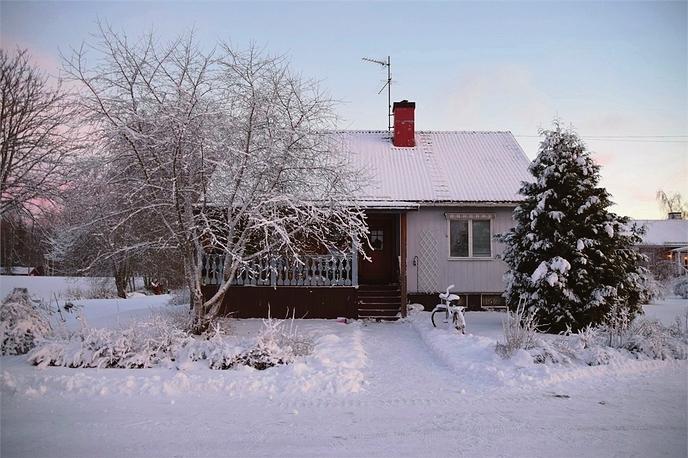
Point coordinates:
[[428, 244]]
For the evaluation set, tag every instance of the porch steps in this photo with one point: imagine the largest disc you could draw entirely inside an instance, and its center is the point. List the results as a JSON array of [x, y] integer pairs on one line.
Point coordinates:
[[379, 302]]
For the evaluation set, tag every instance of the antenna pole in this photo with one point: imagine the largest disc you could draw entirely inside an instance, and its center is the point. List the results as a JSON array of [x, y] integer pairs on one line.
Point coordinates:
[[388, 64], [389, 95]]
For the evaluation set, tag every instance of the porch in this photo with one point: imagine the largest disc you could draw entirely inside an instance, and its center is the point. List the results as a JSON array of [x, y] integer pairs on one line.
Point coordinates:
[[331, 285]]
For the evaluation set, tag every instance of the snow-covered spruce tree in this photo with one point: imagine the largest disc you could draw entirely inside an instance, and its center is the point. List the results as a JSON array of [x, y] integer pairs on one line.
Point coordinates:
[[569, 257]]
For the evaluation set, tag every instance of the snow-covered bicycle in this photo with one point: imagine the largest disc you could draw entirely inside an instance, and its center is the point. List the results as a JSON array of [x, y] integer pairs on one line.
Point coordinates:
[[447, 311]]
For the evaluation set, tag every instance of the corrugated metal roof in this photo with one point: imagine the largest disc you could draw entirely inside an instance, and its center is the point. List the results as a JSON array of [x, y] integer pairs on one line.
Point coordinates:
[[460, 166], [672, 232]]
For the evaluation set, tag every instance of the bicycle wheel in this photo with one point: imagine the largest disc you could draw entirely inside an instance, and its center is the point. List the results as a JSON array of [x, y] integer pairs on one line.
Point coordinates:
[[459, 323], [439, 318]]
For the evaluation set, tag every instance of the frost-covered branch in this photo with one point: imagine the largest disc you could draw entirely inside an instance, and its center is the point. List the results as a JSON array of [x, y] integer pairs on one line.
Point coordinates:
[[227, 152]]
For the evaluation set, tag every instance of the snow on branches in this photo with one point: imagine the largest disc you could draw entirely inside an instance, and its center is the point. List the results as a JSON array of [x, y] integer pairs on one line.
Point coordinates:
[[225, 152], [22, 324], [569, 256]]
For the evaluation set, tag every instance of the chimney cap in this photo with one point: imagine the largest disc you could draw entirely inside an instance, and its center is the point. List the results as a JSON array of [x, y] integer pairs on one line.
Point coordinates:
[[403, 104]]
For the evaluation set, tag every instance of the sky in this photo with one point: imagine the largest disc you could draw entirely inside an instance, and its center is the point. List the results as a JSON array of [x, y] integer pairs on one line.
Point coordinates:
[[615, 71]]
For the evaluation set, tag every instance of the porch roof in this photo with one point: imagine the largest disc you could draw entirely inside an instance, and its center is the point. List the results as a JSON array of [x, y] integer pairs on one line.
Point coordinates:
[[388, 204], [452, 167]]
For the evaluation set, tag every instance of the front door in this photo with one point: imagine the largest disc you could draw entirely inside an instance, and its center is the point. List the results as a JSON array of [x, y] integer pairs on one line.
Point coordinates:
[[382, 267]]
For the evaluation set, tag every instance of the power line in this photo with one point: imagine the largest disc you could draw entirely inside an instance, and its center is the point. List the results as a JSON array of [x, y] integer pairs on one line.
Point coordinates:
[[627, 138], [621, 136]]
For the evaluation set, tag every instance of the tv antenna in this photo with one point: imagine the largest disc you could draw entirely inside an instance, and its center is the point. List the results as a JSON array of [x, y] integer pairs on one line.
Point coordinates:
[[387, 85]]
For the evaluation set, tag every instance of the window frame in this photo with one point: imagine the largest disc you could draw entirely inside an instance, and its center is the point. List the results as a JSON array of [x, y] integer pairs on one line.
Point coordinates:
[[470, 217], [379, 235]]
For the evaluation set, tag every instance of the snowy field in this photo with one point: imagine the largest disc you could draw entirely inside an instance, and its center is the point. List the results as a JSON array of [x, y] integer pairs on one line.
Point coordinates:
[[46, 288], [367, 389]]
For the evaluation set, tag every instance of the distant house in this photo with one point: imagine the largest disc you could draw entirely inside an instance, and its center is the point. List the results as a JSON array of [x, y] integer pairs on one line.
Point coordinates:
[[22, 271], [665, 243], [434, 202]]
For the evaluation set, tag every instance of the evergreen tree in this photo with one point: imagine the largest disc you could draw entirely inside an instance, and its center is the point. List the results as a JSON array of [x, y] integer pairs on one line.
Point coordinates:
[[569, 256]]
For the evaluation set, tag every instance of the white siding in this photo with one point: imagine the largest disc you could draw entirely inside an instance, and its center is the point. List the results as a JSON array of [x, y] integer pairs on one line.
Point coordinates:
[[428, 240]]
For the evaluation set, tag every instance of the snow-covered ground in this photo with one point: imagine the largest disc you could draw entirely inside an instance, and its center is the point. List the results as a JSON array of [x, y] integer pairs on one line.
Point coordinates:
[[667, 309], [368, 389], [46, 288]]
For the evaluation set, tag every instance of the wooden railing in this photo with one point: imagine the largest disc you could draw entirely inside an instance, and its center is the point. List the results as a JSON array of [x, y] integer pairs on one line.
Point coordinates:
[[312, 270]]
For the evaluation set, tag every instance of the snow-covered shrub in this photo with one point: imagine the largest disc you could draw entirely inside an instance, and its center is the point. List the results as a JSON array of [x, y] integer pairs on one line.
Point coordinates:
[[681, 287], [520, 331], [179, 318], [98, 288], [101, 288], [180, 297], [213, 346], [274, 345], [22, 323], [617, 340], [679, 329], [664, 271], [643, 336], [617, 322], [556, 351], [652, 339], [222, 355], [587, 345], [144, 344]]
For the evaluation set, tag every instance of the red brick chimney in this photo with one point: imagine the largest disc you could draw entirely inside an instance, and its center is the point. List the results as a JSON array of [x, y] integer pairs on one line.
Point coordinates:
[[404, 120]]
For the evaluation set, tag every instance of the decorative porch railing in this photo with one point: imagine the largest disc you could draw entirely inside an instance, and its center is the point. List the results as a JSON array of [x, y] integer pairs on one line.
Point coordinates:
[[313, 270]]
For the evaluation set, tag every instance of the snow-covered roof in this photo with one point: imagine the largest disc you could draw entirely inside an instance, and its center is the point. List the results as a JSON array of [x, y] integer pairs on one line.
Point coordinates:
[[458, 166], [16, 270], [667, 232]]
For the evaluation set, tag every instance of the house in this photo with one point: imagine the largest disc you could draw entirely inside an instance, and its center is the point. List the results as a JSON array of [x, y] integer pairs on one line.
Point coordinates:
[[22, 271], [665, 243], [433, 200]]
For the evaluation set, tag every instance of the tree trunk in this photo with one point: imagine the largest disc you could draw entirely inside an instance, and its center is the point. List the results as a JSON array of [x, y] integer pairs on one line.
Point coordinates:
[[121, 276], [192, 270]]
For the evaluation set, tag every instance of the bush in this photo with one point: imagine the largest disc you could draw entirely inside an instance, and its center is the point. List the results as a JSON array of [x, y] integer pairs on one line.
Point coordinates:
[[180, 297], [664, 271], [22, 323], [679, 329], [681, 287], [98, 288], [650, 338], [144, 344], [600, 345], [520, 330], [618, 339], [275, 345], [166, 338]]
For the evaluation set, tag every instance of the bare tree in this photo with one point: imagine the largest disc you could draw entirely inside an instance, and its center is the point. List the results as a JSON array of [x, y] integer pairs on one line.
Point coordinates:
[[37, 136], [228, 152], [93, 234], [672, 203], [99, 232], [24, 241]]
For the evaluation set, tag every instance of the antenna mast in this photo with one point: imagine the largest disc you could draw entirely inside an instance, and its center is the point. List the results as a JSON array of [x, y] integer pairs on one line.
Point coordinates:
[[388, 85]]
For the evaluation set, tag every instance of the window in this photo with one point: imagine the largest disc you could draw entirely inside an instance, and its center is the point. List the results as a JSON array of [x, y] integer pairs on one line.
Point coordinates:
[[458, 239], [470, 236], [377, 239]]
